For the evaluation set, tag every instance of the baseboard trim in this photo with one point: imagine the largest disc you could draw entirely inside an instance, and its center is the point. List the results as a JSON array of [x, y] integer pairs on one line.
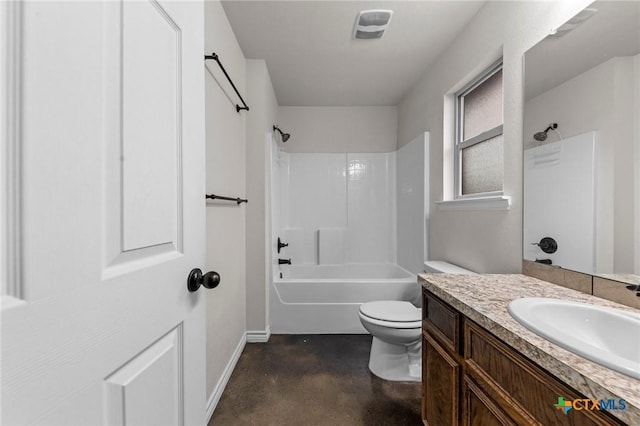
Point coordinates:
[[222, 383], [259, 336]]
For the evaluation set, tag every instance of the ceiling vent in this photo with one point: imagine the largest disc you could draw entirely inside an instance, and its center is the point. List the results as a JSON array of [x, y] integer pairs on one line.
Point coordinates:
[[574, 22], [371, 23]]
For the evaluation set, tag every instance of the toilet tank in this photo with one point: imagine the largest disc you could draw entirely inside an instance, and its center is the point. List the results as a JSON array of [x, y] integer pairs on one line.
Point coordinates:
[[440, 267]]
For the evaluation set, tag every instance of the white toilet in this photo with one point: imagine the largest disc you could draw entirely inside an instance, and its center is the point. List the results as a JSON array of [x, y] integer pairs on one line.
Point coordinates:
[[396, 327]]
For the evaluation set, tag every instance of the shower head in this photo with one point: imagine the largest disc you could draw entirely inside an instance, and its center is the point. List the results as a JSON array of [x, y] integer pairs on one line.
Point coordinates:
[[285, 136], [542, 136]]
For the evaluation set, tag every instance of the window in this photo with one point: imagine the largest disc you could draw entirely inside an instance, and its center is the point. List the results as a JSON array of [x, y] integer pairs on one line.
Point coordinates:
[[479, 166]]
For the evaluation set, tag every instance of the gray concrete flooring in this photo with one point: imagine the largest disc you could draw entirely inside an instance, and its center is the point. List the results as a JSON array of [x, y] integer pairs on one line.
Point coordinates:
[[313, 380]]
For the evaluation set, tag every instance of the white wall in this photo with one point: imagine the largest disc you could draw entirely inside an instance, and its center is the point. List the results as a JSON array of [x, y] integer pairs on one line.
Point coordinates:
[[339, 129], [260, 121], [510, 28], [601, 99], [225, 144]]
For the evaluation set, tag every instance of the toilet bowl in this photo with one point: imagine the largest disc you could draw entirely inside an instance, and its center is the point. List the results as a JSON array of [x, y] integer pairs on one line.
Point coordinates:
[[396, 327]]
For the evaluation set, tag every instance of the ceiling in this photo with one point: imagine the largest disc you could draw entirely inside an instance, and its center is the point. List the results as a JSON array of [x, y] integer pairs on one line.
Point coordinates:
[[313, 60], [614, 30]]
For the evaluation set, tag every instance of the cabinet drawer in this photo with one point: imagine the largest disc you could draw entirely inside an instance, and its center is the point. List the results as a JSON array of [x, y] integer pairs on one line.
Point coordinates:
[[441, 321], [526, 392]]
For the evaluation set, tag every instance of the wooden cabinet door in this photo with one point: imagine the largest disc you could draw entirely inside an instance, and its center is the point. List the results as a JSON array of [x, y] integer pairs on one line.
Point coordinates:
[[440, 384], [478, 409]]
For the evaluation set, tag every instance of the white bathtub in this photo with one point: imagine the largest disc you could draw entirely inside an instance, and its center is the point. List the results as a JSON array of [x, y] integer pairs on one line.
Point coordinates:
[[325, 298]]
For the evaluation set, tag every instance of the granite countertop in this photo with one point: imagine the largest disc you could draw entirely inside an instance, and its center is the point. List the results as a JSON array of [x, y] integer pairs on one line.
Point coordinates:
[[484, 298]]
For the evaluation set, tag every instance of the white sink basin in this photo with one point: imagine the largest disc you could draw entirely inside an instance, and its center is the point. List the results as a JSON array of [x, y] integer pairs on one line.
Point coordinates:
[[607, 336]]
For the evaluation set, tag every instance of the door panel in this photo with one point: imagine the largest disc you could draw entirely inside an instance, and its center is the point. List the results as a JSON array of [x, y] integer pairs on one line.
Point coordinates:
[[111, 112], [61, 140], [158, 368], [151, 122], [144, 171]]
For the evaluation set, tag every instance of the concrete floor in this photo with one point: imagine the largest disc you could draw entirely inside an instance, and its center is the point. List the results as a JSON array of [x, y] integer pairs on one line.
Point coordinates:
[[313, 380]]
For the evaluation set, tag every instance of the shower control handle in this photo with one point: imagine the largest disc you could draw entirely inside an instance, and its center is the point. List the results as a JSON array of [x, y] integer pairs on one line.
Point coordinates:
[[284, 261], [547, 245], [281, 244]]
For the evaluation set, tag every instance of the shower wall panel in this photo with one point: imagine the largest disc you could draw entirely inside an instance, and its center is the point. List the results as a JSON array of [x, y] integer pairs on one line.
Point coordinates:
[[371, 211], [350, 193], [316, 197], [413, 203], [560, 183]]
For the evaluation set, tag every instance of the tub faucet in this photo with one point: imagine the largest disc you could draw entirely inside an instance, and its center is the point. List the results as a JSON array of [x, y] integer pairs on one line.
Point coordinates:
[[634, 287], [281, 244], [284, 261]]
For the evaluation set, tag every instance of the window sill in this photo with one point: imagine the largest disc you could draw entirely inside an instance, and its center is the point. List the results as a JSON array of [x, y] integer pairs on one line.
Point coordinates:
[[499, 202]]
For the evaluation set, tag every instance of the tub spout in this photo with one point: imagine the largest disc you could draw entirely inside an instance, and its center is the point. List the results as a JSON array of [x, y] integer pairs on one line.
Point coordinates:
[[284, 261]]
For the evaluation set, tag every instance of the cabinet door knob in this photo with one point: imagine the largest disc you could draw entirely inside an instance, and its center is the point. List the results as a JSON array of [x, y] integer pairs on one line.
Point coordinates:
[[196, 279]]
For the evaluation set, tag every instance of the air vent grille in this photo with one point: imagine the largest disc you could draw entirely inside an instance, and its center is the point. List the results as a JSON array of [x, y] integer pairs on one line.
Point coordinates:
[[369, 34], [371, 24], [374, 18]]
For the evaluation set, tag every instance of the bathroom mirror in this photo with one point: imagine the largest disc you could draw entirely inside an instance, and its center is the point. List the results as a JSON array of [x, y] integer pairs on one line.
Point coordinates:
[[582, 178]]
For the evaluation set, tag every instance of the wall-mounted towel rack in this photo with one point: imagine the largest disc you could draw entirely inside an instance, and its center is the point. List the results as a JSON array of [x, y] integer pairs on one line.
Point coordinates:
[[220, 197], [238, 107]]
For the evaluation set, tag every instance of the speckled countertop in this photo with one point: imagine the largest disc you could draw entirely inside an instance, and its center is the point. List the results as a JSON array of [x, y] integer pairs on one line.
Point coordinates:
[[484, 299]]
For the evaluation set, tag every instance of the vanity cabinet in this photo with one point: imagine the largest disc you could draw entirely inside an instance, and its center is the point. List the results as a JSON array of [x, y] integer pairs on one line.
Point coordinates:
[[470, 377], [441, 374], [441, 362]]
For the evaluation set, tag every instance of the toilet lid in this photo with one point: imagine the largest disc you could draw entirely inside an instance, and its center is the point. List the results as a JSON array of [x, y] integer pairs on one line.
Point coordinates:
[[391, 310]]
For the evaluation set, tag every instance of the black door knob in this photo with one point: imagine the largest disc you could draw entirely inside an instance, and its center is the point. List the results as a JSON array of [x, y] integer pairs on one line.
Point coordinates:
[[196, 279]]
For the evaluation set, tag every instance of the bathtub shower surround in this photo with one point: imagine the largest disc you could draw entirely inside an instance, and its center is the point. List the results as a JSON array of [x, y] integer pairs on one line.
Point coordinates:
[[412, 211], [560, 183], [338, 208], [354, 208], [347, 226]]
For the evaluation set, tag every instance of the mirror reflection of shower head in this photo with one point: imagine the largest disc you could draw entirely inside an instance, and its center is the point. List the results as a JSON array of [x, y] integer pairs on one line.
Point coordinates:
[[285, 136], [542, 136]]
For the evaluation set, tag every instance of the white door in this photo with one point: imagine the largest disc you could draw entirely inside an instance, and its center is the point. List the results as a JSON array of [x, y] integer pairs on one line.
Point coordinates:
[[104, 214]]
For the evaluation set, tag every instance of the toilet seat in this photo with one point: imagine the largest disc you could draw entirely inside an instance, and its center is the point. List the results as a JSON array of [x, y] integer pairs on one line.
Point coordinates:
[[392, 314]]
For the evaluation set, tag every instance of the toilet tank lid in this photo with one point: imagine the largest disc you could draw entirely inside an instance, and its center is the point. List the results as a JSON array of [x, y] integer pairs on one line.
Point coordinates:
[[440, 267], [391, 310]]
